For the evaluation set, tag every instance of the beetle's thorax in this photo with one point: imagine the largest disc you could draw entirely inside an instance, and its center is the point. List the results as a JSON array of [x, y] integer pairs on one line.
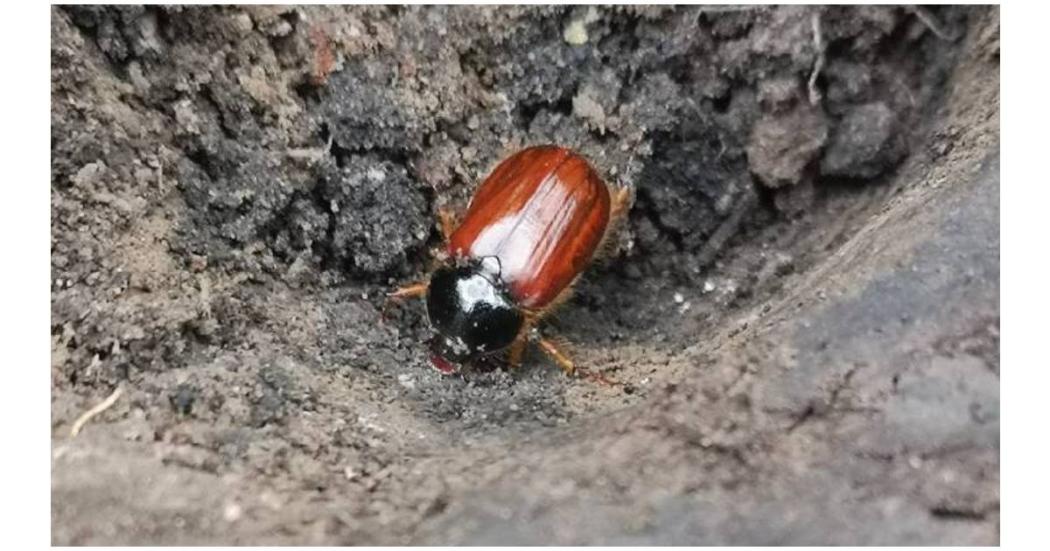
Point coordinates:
[[471, 309]]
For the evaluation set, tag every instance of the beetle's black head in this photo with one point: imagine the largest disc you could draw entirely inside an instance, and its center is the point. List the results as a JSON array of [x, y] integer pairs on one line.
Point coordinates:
[[470, 308]]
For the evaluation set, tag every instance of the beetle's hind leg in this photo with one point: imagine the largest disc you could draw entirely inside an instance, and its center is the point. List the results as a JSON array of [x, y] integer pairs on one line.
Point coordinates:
[[551, 349], [620, 203]]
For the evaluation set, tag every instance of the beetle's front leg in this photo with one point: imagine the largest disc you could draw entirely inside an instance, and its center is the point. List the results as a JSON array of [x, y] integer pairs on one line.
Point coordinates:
[[447, 221], [517, 348], [408, 291]]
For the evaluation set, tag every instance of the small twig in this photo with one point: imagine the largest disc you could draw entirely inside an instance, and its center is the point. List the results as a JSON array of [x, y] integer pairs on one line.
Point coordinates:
[[818, 66], [724, 231], [89, 414], [931, 23]]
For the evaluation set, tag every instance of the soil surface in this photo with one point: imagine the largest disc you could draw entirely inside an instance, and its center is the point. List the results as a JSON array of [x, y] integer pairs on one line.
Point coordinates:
[[801, 316]]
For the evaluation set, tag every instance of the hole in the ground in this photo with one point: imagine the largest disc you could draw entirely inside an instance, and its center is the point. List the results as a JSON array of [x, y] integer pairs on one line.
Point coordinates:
[[685, 317]]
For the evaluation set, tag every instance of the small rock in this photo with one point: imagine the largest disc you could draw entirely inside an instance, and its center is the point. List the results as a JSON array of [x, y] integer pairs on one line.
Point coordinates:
[[186, 119], [585, 107], [198, 263], [778, 94], [138, 79], [182, 399], [796, 199], [280, 28], [864, 144], [575, 33], [88, 174], [847, 81], [271, 500], [242, 22], [783, 145]]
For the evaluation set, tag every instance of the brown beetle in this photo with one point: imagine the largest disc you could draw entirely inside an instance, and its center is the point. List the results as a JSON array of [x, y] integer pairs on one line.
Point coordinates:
[[532, 226]]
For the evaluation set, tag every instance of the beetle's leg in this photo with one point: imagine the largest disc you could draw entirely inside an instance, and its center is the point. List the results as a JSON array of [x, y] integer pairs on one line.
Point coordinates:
[[559, 358], [549, 346], [447, 222], [517, 348], [409, 291], [620, 204], [621, 201]]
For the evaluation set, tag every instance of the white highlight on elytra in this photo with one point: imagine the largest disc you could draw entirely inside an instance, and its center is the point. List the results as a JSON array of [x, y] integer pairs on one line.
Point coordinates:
[[521, 238]]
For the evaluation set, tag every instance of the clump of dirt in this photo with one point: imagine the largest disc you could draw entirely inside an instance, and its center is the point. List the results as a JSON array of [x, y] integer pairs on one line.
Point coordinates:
[[235, 189]]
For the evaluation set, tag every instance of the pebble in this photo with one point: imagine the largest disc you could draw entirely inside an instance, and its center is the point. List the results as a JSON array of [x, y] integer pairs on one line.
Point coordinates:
[[576, 33]]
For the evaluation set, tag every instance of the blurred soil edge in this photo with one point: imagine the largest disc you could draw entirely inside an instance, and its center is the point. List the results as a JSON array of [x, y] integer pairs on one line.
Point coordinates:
[[803, 309]]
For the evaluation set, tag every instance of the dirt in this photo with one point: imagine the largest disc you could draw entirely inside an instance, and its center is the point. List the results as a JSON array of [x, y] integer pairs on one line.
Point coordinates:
[[801, 316]]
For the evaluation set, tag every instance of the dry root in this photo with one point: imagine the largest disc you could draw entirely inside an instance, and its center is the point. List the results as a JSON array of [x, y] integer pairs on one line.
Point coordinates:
[[91, 413]]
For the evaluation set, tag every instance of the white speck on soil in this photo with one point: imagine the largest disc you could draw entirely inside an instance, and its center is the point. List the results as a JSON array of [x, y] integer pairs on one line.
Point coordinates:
[[375, 175], [232, 512], [576, 33]]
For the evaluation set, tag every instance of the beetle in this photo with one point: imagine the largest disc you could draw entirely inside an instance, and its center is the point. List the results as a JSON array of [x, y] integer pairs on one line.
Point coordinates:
[[531, 228]]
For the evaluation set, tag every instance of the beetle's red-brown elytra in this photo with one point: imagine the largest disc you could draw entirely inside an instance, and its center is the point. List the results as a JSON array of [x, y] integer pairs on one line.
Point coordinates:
[[542, 212]]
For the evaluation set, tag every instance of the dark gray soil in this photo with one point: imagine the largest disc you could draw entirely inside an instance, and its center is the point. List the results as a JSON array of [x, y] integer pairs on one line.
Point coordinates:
[[802, 314]]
